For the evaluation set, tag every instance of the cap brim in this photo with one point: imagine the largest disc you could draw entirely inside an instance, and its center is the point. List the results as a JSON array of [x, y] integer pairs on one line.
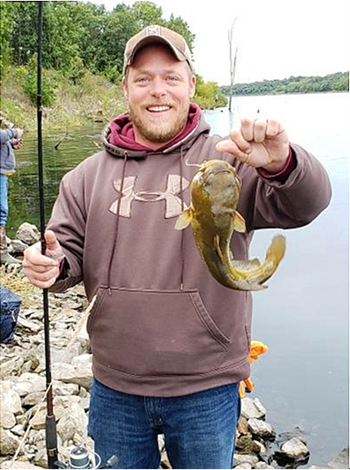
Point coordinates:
[[152, 40]]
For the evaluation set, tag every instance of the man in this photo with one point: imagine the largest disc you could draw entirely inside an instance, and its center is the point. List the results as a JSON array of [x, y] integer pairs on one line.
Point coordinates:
[[169, 343], [10, 139]]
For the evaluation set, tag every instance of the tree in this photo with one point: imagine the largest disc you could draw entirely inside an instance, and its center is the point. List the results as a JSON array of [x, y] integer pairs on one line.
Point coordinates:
[[180, 26], [147, 13], [233, 62]]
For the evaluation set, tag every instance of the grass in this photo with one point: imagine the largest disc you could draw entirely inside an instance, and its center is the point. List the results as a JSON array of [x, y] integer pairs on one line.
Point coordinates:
[[75, 105], [17, 283]]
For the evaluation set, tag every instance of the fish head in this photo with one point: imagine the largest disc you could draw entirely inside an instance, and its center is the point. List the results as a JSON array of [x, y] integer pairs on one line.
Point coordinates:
[[219, 180]]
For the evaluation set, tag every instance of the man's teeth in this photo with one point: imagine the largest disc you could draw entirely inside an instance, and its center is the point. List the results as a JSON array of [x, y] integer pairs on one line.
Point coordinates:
[[158, 108]]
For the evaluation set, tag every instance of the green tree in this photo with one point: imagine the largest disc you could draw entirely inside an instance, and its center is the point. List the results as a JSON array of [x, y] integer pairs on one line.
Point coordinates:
[[147, 13], [181, 27]]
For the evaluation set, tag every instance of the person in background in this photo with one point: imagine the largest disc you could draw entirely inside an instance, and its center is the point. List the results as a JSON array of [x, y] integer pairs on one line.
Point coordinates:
[[169, 343], [10, 139]]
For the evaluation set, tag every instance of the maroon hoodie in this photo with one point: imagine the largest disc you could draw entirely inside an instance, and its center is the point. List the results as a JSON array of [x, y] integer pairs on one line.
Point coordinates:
[[160, 324]]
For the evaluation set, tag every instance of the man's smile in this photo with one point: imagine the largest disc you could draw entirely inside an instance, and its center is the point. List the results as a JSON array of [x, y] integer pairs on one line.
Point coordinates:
[[158, 108]]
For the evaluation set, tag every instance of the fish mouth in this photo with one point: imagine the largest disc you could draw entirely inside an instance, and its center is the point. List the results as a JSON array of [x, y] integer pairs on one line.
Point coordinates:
[[223, 170], [212, 173]]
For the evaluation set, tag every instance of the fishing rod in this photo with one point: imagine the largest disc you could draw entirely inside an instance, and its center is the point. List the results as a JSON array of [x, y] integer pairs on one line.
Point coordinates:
[[79, 456], [51, 432]]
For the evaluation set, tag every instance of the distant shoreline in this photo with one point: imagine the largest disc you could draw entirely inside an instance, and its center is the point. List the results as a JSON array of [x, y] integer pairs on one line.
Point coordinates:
[[335, 82]]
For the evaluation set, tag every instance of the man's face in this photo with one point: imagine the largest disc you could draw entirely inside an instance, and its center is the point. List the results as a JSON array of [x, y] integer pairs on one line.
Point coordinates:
[[158, 88]]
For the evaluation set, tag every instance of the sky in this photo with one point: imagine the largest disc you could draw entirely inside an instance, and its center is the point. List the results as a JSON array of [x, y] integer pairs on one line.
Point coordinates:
[[275, 38]]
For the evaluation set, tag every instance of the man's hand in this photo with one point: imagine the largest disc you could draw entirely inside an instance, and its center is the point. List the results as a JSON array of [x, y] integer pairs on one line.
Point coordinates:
[[19, 133], [258, 143], [42, 271], [18, 144]]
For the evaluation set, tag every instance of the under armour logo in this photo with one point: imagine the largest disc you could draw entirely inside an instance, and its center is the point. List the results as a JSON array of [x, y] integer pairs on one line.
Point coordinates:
[[170, 195]]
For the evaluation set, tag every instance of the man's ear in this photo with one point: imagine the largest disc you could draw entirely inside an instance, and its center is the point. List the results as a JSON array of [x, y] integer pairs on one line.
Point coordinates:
[[125, 88], [192, 86]]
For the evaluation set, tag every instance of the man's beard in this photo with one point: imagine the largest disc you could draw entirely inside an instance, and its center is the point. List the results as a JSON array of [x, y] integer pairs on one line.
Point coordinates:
[[159, 134]]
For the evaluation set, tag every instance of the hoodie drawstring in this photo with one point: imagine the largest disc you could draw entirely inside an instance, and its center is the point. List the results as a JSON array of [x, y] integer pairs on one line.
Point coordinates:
[[117, 223], [182, 231]]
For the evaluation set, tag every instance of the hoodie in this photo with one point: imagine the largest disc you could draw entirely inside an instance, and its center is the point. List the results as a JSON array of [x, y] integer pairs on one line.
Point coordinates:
[[160, 324]]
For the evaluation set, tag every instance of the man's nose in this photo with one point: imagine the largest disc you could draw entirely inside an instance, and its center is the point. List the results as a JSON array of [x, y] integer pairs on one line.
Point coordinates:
[[158, 87]]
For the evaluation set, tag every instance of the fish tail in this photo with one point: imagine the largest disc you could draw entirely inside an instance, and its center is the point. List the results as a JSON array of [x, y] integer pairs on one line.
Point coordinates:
[[276, 250], [274, 255]]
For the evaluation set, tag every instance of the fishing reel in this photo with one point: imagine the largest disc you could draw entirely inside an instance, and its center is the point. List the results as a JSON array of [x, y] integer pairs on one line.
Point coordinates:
[[80, 457]]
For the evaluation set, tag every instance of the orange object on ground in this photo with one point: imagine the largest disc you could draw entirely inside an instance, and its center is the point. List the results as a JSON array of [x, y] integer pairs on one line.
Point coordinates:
[[256, 349]]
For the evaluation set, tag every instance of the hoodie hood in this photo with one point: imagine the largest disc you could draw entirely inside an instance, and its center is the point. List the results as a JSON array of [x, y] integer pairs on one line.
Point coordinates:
[[118, 136]]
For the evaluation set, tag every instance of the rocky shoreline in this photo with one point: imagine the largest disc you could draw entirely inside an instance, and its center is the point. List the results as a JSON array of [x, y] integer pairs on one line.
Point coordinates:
[[22, 386]]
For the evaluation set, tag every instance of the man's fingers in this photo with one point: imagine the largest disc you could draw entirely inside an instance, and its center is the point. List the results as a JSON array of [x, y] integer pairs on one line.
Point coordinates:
[[42, 284], [39, 268], [45, 276], [42, 279], [34, 258], [247, 129], [238, 138], [260, 131], [231, 147], [273, 128], [51, 241]]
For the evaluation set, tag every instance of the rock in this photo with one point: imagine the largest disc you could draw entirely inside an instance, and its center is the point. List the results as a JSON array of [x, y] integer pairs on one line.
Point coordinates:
[[263, 465], [19, 465], [10, 399], [28, 234], [244, 465], [40, 458], [61, 388], [242, 426], [11, 366], [28, 383], [18, 246], [18, 430], [261, 429], [73, 420], [295, 449], [38, 420], [262, 448], [79, 372], [342, 460], [8, 442], [29, 325], [246, 445], [318, 467], [252, 408], [33, 398], [240, 459], [8, 420]]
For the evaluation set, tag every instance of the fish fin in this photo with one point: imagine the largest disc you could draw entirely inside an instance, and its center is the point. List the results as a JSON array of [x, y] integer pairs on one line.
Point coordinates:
[[217, 248], [239, 222], [184, 219]]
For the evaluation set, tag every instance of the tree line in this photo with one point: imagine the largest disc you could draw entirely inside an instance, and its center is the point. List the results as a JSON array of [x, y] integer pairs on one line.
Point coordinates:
[[82, 37], [334, 82]]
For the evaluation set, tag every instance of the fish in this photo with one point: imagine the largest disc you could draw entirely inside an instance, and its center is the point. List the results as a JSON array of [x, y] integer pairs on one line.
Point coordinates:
[[213, 217]]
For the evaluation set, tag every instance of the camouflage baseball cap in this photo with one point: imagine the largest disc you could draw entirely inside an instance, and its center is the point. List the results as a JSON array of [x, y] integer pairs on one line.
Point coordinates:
[[153, 34]]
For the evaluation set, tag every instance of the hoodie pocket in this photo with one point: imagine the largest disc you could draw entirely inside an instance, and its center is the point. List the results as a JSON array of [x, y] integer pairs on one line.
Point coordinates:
[[155, 333]]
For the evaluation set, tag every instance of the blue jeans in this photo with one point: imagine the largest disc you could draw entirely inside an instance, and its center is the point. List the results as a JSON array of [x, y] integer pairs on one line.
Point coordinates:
[[199, 428], [4, 208]]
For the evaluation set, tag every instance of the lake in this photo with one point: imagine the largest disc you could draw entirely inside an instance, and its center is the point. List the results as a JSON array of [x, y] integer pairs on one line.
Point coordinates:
[[303, 316]]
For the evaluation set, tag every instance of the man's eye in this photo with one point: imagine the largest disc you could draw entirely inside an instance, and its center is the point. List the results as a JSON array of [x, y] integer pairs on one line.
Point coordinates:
[[173, 78], [142, 80]]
